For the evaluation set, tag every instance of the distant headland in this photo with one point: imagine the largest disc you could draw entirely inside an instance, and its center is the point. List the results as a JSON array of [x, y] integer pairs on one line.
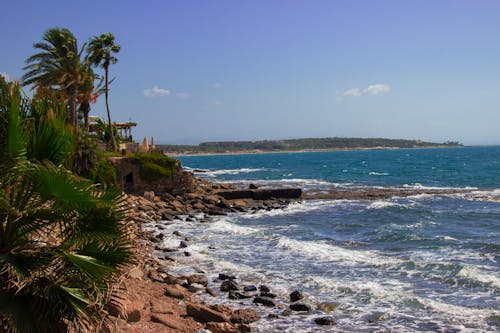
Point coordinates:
[[305, 144]]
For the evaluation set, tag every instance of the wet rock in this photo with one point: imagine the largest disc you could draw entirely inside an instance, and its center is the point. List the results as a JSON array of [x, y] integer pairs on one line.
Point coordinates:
[[205, 314], [250, 288], [228, 285], [252, 187], [325, 321], [286, 312], [198, 278], [183, 244], [169, 249], [237, 295], [224, 328], [187, 254], [300, 307], [296, 296], [211, 292], [214, 212], [264, 288], [195, 287], [265, 294], [273, 316], [244, 316], [223, 276], [264, 301]]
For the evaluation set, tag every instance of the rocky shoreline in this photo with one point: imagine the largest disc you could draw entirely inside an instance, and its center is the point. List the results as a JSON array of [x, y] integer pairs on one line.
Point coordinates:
[[155, 300]]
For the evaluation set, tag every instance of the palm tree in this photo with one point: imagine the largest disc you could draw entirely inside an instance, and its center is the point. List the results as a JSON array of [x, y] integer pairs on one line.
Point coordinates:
[[60, 236], [101, 52], [57, 66]]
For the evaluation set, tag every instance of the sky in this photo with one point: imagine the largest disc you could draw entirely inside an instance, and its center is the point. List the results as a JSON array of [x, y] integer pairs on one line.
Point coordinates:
[[193, 71]]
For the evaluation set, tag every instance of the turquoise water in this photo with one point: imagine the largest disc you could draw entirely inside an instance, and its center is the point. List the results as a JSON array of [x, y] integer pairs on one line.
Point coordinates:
[[422, 263]]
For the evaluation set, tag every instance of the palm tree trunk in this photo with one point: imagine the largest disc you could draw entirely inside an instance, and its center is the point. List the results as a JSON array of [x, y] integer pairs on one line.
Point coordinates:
[[73, 93], [113, 142]]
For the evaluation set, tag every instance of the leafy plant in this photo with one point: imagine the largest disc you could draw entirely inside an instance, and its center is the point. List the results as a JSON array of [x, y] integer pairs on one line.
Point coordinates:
[[61, 236], [153, 166]]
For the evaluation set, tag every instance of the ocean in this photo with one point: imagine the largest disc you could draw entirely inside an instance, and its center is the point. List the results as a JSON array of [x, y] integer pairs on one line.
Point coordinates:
[[423, 263]]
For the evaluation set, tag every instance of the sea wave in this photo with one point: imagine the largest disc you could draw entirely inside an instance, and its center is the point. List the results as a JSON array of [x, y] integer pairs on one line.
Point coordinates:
[[215, 173]]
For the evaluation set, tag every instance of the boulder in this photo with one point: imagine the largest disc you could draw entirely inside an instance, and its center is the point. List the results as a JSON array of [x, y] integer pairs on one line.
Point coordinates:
[[168, 321], [211, 291], [223, 276], [228, 285], [264, 301], [300, 307], [205, 314], [244, 316], [264, 288], [328, 306], [237, 295], [198, 278], [325, 321], [296, 296], [265, 294], [183, 244], [226, 328], [175, 291], [250, 288]]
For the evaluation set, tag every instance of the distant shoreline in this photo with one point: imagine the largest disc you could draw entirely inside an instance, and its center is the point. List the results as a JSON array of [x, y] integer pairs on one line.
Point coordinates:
[[255, 152]]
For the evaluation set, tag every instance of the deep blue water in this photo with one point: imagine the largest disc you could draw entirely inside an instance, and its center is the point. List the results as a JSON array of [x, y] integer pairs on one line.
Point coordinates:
[[422, 263]]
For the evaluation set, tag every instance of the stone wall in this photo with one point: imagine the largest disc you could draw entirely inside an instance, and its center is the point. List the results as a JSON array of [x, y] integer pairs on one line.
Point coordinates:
[[128, 176]]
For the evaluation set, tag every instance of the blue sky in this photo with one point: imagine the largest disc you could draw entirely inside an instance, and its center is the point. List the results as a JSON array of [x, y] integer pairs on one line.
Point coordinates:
[[192, 71]]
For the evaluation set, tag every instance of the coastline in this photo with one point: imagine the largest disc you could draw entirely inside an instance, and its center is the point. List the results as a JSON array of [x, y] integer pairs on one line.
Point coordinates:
[[255, 152]]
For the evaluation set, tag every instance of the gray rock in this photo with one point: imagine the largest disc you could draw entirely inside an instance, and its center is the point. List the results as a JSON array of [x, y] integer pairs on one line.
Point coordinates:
[[296, 296], [300, 307], [228, 285], [264, 301]]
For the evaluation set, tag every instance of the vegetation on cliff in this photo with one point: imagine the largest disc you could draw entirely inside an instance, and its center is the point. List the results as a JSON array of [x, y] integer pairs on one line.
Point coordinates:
[[154, 166], [302, 144]]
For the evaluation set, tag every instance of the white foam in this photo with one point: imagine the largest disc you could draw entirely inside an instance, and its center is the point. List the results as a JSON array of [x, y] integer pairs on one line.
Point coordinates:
[[382, 204], [294, 208], [335, 253], [214, 173], [373, 173], [225, 225], [483, 274]]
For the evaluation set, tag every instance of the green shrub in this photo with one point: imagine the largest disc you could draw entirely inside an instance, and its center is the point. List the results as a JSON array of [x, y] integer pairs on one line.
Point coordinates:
[[105, 173], [154, 166]]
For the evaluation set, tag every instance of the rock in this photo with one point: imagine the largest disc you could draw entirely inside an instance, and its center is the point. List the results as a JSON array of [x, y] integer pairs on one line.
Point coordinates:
[[195, 287], [261, 194], [223, 276], [325, 321], [153, 275], [168, 249], [296, 296], [178, 233], [228, 285], [198, 278], [183, 244], [187, 254], [168, 321], [252, 187], [264, 288], [205, 314], [133, 316], [149, 195], [222, 328], [300, 307], [237, 295], [175, 291], [273, 316], [264, 301], [211, 292], [244, 316], [286, 312], [250, 288], [270, 295], [328, 306], [214, 212]]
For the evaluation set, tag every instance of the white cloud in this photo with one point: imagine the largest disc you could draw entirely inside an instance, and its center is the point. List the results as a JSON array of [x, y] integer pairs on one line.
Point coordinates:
[[216, 85], [5, 75], [156, 91], [371, 90]]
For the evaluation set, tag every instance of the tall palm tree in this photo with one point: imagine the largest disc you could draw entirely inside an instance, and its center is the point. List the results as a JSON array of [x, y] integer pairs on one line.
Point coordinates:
[[101, 52], [57, 66], [60, 236]]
